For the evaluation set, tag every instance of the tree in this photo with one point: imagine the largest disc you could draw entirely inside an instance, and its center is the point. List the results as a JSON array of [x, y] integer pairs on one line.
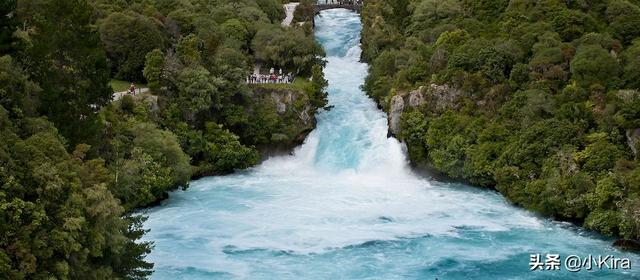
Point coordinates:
[[224, 152], [488, 10], [146, 162], [236, 32], [273, 9], [196, 91], [630, 227], [153, 69], [319, 84], [534, 97], [7, 25], [452, 39], [570, 24], [305, 11], [231, 65], [188, 50], [631, 62], [600, 155], [399, 13], [17, 93], [59, 219], [447, 142], [429, 12], [593, 65], [624, 19], [63, 54], [127, 39], [287, 48], [413, 130]]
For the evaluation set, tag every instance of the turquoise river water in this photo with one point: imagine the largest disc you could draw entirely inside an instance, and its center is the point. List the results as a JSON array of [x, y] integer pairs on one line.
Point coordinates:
[[347, 206]]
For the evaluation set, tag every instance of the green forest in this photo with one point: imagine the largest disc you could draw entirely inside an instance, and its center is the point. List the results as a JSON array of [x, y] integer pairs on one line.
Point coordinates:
[[537, 99], [75, 164]]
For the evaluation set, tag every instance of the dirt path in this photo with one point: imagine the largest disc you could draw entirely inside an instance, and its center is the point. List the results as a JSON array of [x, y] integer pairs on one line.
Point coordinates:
[[118, 95], [289, 9]]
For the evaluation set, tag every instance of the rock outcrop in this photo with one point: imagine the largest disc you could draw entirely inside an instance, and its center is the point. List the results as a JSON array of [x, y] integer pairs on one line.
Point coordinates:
[[285, 102], [283, 99], [395, 112], [416, 98], [295, 112], [434, 98], [633, 139], [439, 98], [633, 134]]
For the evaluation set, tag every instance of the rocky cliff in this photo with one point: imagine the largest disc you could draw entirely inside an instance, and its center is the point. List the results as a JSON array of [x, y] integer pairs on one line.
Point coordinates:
[[435, 98], [293, 112], [633, 140]]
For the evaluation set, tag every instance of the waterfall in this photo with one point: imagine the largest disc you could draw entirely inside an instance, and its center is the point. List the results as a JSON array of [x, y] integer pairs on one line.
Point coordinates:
[[346, 205]]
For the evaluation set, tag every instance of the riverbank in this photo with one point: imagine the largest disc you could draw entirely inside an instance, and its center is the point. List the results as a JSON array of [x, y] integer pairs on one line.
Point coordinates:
[[523, 112], [346, 206]]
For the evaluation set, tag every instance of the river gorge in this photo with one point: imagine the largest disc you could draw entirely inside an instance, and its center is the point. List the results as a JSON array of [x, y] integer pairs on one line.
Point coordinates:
[[346, 205]]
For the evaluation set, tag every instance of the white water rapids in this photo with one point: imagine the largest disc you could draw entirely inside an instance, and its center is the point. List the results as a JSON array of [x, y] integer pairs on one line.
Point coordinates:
[[346, 206]]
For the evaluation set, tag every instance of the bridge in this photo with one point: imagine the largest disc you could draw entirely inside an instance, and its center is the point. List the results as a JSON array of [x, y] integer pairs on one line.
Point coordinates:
[[354, 5]]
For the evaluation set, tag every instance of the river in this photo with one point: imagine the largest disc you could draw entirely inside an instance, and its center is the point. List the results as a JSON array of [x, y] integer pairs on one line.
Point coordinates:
[[347, 206]]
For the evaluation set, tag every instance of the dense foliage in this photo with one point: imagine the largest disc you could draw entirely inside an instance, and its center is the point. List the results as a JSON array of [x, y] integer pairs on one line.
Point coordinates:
[[59, 219], [539, 98], [74, 163]]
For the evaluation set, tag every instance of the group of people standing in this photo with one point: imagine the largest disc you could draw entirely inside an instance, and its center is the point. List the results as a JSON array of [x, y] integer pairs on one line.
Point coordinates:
[[341, 2], [271, 78]]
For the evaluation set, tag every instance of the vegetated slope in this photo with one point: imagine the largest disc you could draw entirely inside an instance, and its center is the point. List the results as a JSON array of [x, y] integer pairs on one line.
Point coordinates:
[[538, 99], [74, 164]]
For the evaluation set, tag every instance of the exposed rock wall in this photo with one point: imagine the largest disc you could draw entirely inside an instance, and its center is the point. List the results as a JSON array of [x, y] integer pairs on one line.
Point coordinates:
[[633, 139], [395, 112], [633, 134], [296, 114], [435, 98], [290, 101]]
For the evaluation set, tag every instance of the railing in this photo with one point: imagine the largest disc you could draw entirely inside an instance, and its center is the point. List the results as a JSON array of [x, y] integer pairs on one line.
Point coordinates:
[[269, 79], [354, 5], [340, 2]]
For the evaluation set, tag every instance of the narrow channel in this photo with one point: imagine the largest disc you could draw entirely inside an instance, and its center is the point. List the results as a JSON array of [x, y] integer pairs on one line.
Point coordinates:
[[347, 206]]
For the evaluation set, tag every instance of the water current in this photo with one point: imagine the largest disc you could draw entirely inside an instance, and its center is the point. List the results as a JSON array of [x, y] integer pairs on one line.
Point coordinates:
[[346, 205]]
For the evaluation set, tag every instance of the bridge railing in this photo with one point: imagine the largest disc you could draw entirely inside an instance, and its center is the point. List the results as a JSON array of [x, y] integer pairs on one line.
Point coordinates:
[[340, 2]]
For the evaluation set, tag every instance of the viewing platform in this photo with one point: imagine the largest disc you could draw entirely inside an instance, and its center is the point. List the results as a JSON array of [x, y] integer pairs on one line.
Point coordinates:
[[354, 5]]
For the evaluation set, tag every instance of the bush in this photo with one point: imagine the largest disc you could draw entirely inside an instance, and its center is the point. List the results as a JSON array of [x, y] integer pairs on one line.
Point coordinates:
[[127, 104]]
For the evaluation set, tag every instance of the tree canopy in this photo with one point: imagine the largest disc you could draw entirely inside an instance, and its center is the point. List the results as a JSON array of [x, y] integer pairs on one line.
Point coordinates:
[[77, 161], [537, 100]]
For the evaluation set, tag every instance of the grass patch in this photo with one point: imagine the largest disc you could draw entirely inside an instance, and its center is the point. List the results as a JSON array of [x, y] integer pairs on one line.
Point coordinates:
[[119, 85]]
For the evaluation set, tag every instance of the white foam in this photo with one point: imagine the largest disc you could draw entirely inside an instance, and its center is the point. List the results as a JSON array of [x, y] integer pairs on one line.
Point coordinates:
[[348, 184]]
